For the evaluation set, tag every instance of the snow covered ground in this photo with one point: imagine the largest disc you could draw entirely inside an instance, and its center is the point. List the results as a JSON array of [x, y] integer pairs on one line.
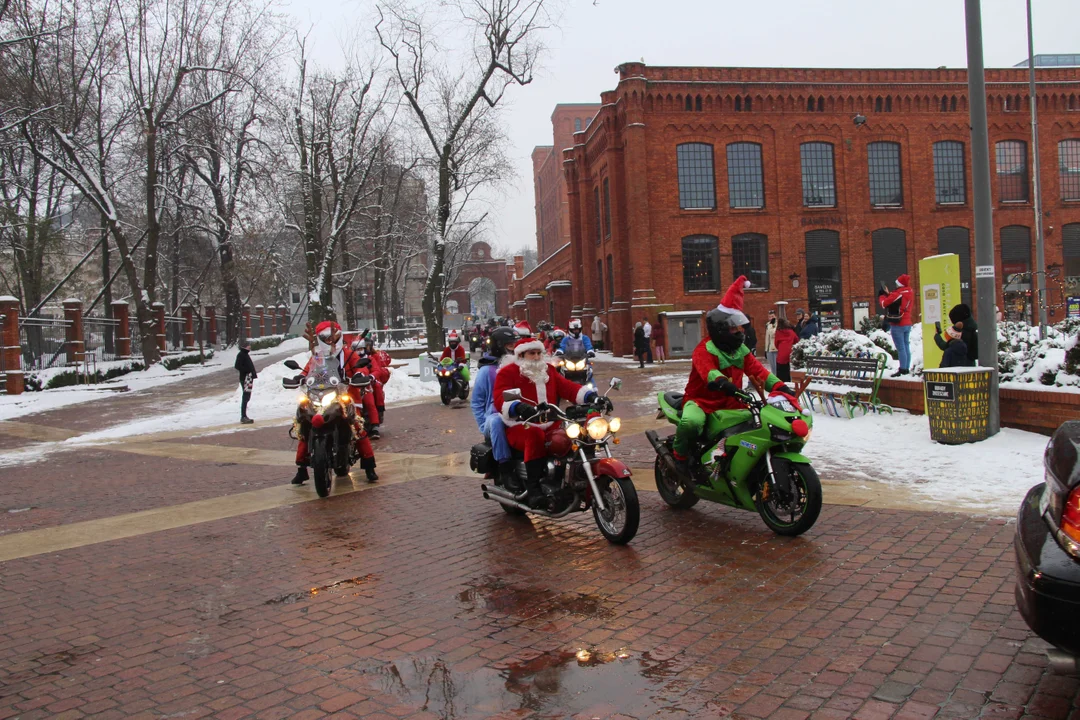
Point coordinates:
[[989, 477]]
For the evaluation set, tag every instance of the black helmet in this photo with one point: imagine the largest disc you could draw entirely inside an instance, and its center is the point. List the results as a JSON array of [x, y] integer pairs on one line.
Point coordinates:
[[725, 328], [500, 340]]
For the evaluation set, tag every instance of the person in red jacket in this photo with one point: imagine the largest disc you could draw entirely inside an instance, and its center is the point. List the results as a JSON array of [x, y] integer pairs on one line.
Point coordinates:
[[898, 305], [539, 382], [456, 352], [718, 365], [784, 339], [326, 341], [377, 364]]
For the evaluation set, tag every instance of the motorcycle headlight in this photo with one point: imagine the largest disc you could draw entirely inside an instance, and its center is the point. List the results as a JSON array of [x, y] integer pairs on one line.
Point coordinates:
[[573, 431], [597, 428], [615, 424], [327, 399], [302, 399], [580, 365], [782, 403]]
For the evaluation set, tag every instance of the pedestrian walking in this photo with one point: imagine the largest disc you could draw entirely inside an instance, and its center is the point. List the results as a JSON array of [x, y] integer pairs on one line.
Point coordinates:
[[647, 328], [770, 341], [246, 368], [659, 336], [641, 344], [785, 340], [599, 327]]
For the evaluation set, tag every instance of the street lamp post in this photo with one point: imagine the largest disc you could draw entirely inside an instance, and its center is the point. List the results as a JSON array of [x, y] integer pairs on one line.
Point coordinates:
[[1040, 250], [984, 224]]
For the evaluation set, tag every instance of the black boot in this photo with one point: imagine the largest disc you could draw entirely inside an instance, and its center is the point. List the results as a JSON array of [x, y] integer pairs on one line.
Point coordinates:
[[534, 472], [382, 412], [507, 476], [300, 476], [368, 464], [373, 432]]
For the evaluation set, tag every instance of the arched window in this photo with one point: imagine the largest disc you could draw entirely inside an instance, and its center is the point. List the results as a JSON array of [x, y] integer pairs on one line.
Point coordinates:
[[818, 174], [596, 214], [738, 104], [697, 189], [607, 208], [888, 104], [600, 284], [952, 104], [746, 187], [577, 124], [749, 104], [610, 280], [1069, 169], [823, 287], [944, 104], [1070, 242], [890, 257], [1012, 172], [886, 183], [949, 184], [689, 103], [878, 104], [697, 103], [750, 257], [701, 263], [810, 104]]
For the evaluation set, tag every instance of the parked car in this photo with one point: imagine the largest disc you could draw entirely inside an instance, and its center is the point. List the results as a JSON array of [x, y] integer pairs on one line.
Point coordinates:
[[1047, 545]]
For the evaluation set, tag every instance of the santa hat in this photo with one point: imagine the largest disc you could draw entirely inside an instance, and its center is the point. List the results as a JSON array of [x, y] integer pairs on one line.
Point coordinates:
[[327, 327], [523, 330], [733, 298], [524, 345], [452, 336]]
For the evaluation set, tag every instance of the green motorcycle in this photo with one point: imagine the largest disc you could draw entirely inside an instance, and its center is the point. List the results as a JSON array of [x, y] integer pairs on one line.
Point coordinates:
[[749, 459]]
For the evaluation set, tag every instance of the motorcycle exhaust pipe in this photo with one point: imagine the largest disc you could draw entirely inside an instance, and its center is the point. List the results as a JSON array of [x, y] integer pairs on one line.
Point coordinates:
[[1062, 663], [662, 452], [503, 493], [495, 493]]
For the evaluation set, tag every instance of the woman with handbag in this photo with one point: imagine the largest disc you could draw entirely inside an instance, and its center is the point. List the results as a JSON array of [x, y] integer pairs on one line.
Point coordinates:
[[897, 305]]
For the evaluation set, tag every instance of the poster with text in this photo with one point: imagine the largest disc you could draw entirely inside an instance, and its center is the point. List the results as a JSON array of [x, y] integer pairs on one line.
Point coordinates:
[[939, 290]]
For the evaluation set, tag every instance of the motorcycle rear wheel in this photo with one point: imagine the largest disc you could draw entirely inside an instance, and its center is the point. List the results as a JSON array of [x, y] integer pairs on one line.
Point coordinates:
[[807, 505], [320, 469], [619, 521], [672, 490]]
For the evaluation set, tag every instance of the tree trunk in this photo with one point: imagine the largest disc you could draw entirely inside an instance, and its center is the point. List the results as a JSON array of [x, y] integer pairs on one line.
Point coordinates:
[[433, 290], [380, 297], [347, 289], [106, 273], [153, 226], [233, 309]]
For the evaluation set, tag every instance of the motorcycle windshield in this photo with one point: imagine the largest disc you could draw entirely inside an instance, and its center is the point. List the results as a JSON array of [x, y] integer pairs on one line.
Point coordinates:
[[321, 375], [575, 349]]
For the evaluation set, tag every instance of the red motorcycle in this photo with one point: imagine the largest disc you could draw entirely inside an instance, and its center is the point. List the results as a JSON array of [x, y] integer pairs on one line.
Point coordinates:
[[581, 474]]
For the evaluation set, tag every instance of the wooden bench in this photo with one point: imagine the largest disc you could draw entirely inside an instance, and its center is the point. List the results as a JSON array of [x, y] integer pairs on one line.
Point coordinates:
[[841, 383]]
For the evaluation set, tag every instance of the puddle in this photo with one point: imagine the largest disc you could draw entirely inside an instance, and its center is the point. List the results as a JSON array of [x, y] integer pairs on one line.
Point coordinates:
[[495, 595], [565, 682], [342, 587]]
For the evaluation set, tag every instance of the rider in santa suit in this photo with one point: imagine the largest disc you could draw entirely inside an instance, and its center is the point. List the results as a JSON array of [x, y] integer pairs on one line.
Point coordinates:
[[327, 342], [538, 382]]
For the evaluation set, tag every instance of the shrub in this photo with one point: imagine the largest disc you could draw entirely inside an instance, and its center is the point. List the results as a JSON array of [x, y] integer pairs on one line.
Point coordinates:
[[74, 376], [177, 361], [268, 342]]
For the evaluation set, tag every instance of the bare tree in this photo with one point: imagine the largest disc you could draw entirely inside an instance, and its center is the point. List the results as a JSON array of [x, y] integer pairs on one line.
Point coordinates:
[[454, 109]]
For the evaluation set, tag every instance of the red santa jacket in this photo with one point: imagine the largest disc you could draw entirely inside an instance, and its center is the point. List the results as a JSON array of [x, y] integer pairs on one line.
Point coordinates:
[[905, 295], [458, 354], [708, 363], [556, 388], [346, 368]]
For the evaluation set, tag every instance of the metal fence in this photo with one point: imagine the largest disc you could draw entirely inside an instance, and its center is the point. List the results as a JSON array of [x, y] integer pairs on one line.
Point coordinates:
[[99, 336], [174, 334], [44, 341]]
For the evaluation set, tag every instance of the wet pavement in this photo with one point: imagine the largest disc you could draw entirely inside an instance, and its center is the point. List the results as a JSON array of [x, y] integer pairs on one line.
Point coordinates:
[[232, 595]]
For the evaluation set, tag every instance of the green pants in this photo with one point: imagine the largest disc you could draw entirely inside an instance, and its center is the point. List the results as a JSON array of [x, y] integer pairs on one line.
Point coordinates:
[[691, 423]]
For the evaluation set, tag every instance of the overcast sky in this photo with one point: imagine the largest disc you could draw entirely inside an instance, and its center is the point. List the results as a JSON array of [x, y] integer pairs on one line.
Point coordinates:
[[593, 39]]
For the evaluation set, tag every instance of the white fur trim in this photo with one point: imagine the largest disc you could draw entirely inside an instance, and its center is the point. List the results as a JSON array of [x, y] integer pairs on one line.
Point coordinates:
[[523, 347], [746, 284], [580, 398]]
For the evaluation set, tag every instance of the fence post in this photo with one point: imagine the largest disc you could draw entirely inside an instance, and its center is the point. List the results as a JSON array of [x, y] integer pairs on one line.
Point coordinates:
[[10, 350], [121, 314], [75, 346], [211, 326], [245, 327], [283, 319], [188, 313], [159, 325], [257, 322]]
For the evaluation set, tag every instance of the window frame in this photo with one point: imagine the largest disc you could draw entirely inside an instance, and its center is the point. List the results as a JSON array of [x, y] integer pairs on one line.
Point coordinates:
[[698, 183], [1063, 165], [873, 149], [744, 267], [809, 162], [713, 259], [1002, 176], [746, 178], [607, 207], [943, 171], [599, 233]]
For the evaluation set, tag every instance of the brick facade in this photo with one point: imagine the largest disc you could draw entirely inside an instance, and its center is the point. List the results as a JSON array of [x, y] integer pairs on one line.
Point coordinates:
[[627, 251]]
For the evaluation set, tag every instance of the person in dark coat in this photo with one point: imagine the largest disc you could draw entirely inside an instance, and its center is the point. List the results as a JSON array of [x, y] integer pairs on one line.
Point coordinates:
[[810, 328], [246, 368], [750, 336], [641, 344], [969, 333], [955, 351]]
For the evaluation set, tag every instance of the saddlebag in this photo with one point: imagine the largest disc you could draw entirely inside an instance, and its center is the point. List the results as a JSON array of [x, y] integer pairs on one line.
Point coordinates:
[[481, 459]]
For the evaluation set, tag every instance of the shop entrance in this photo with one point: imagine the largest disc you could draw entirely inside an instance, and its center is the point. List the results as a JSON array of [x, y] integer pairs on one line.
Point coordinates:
[[823, 277]]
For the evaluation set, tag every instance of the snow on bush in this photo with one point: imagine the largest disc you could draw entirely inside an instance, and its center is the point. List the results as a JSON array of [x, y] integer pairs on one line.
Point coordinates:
[[841, 342]]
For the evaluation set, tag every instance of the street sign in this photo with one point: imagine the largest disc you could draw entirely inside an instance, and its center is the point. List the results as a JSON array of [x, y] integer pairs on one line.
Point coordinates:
[[941, 391]]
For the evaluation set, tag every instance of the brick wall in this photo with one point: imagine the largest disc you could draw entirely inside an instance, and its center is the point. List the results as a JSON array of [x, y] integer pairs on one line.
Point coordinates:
[[632, 142]]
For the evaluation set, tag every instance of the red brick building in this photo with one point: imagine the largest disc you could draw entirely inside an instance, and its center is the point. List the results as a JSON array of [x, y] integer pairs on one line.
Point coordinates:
[[815, 183]]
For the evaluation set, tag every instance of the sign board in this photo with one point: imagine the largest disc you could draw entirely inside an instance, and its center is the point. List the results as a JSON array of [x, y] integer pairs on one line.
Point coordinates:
[[984, 271], [940, 292], [941, 391], [427, 368], [1072, 307], [860, 310]]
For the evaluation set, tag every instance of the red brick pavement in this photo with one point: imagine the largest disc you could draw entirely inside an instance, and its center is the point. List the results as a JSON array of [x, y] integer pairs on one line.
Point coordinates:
[[422, 600]]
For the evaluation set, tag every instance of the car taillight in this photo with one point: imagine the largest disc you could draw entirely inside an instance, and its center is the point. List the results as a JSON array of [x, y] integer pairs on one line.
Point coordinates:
[[1070, 515]]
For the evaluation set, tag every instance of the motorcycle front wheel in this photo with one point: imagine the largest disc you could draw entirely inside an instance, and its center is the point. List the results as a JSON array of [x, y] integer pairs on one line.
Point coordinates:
[[444, 395], [619, 520], [797, 515], [320, 468]]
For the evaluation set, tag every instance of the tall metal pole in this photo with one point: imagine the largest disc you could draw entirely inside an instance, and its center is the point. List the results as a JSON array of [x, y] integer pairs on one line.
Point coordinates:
[[985, 282], [1040, 250]]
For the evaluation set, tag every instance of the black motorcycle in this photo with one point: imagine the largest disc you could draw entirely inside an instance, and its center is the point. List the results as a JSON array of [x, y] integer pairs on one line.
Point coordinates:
[[575, 362], [452, 384], [327, 419]]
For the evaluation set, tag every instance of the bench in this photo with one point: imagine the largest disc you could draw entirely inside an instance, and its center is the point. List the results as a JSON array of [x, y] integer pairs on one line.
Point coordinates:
[[842, 383]]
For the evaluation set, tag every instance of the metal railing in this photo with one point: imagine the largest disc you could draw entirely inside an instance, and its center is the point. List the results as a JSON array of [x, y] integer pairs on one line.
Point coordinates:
[[99, 338], [44, 341]]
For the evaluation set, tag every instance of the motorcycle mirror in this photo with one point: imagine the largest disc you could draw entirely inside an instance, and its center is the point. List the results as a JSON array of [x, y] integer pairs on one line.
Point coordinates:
[[615, 384], [292, 365], [511, 395]]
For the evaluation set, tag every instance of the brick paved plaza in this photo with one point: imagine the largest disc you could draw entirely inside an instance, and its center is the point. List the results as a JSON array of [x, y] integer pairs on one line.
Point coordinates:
[[164, 577]]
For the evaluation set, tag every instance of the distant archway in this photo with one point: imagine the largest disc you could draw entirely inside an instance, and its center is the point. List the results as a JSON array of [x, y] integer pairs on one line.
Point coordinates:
[[482, 297]]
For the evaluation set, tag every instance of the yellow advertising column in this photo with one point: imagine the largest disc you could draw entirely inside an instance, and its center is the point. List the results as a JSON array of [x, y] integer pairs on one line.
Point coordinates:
[[939, 278]]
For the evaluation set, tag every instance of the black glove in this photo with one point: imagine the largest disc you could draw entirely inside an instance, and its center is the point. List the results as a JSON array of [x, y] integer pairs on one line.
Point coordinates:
[[524, 411], [722, 385], [781, 387]]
